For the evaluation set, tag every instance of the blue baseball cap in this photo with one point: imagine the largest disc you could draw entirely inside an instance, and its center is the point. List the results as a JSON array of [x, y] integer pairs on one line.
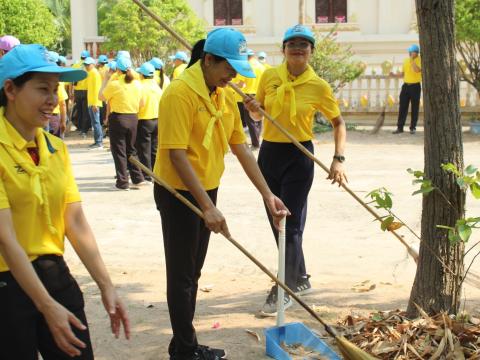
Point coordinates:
[[250, 52], [34, 58], [88, 61], [299, 31], [414, 48], [103, 59], [147, 69], [180, 55], [62, 59], [122, 53], [262, 55], [124, 63], [53, 56], [231, 45], [112, 65], [157, 63], [84, 54]]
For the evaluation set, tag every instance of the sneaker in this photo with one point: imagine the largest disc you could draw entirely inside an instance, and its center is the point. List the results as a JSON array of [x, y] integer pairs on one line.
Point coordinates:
[[95, 147], [270, 307], [219, 353], [397, 131], [303, 286], [413, 131]]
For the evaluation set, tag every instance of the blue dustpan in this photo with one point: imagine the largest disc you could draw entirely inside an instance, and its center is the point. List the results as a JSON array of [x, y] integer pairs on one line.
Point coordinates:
[[295, 333]]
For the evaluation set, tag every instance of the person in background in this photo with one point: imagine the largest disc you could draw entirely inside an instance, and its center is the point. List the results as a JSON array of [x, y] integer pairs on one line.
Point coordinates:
[[94, 83], [58, 120], [249, 86], [147, 129], [102, 67], [160, 77], [180, 61], [262, 58], [7, 43], [41, 304], [292, 93], [125, 99], [82, 118], [411, 89]]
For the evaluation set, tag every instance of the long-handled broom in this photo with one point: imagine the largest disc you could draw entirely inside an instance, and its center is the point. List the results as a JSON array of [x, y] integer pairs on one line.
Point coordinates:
[[349, 350]]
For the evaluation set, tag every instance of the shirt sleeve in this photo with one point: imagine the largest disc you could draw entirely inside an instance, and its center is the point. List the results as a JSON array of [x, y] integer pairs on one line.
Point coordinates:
[[175, 122], [109, 90], [4, 203], [72, 194], [261, 89], [328, 105]]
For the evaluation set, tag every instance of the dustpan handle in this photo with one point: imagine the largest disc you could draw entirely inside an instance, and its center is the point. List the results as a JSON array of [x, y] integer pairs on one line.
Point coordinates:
[[281, 273]]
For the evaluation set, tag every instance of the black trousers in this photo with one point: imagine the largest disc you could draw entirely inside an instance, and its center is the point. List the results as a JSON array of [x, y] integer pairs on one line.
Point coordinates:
[[83, 122], [410, 93], [23, 329], [185, 239], [289, 174], [146, 143], [254, 127], [122, 129]]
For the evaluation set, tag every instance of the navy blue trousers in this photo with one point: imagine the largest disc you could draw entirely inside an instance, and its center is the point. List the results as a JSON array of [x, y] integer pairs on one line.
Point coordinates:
[[289, 174]]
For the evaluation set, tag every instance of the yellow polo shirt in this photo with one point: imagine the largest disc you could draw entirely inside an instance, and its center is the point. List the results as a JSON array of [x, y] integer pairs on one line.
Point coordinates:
[[314, 95], [178, 70], [123, 98], [16, 192], [103, 71], [82, 84], [182, 124], [409, 75], [151, 98], [250, 85], [94, 83], [62, 96]]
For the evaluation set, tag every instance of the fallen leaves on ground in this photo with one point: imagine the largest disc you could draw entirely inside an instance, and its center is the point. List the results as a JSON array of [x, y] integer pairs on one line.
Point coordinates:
[[391, 335]]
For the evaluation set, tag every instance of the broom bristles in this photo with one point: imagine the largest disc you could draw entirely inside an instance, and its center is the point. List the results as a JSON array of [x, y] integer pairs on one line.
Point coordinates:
[[379, 122], [352, 352]]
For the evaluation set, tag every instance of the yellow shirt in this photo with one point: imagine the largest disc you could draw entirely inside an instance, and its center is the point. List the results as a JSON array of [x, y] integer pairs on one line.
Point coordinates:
[[151, 97], [183, 121], [310, 96], [94, 83], [115, 76], [103, 71], [62, 96], [166, 80], [16, 192], [123, 98], [250, 85], [178, 70], [409, 75], [82, 84]]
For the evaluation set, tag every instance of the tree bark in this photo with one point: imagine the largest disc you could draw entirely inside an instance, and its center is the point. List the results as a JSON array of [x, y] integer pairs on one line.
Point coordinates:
[[301, 11], [435, 289]]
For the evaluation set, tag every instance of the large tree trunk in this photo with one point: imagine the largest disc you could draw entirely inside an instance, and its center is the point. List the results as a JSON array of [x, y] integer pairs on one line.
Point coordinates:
[[436, 289]]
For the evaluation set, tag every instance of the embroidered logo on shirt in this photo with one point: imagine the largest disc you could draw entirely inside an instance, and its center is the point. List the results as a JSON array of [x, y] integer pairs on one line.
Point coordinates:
[[20, 170], [201, 108]]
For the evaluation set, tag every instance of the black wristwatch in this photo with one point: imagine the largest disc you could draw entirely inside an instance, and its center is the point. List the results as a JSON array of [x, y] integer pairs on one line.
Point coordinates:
[[339, 158]]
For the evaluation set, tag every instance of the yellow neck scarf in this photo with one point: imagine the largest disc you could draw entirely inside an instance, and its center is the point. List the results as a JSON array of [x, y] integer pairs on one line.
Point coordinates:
[[288, 87], [37, 173], [193, 77]]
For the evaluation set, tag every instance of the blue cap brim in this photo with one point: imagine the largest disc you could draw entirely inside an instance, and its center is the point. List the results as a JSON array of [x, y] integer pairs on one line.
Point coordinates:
[[66, 74], [242, 67]]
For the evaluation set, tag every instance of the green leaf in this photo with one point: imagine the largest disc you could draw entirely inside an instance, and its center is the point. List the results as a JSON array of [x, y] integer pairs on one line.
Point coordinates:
[[472, 219], [464, 231], [386, 223], [445, 227], [377, 317], [460, 182], [388, 201], [450, 168], [470, 170], [475, 189], [453, 237]]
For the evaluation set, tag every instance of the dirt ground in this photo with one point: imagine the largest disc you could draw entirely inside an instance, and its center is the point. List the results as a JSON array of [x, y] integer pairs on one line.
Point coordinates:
[[343, 248]]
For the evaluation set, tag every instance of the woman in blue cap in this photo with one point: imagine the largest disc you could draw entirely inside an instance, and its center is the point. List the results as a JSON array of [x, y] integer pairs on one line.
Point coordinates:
[[292, 93], [198, 122], [147, 129], [124, 97], [180, 61], [41, 305], [160, 77]]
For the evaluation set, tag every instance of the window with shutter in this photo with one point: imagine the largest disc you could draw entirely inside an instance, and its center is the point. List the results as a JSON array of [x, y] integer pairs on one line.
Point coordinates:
[[227, 12], [330, 11]]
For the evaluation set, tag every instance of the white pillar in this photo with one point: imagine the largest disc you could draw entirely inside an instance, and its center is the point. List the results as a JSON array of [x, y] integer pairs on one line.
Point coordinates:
[[84, 24]]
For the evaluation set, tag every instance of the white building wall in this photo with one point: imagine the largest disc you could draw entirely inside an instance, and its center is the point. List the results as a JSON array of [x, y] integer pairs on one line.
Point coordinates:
[[84, 24]]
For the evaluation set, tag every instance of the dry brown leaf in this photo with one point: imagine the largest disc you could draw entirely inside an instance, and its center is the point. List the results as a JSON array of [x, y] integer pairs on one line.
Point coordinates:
[[439, 350], [254, 334], [364, 289], [394, 226]]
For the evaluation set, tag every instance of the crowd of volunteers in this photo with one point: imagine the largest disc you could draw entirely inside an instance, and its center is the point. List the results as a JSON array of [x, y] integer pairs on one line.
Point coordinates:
[[181, 127]]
